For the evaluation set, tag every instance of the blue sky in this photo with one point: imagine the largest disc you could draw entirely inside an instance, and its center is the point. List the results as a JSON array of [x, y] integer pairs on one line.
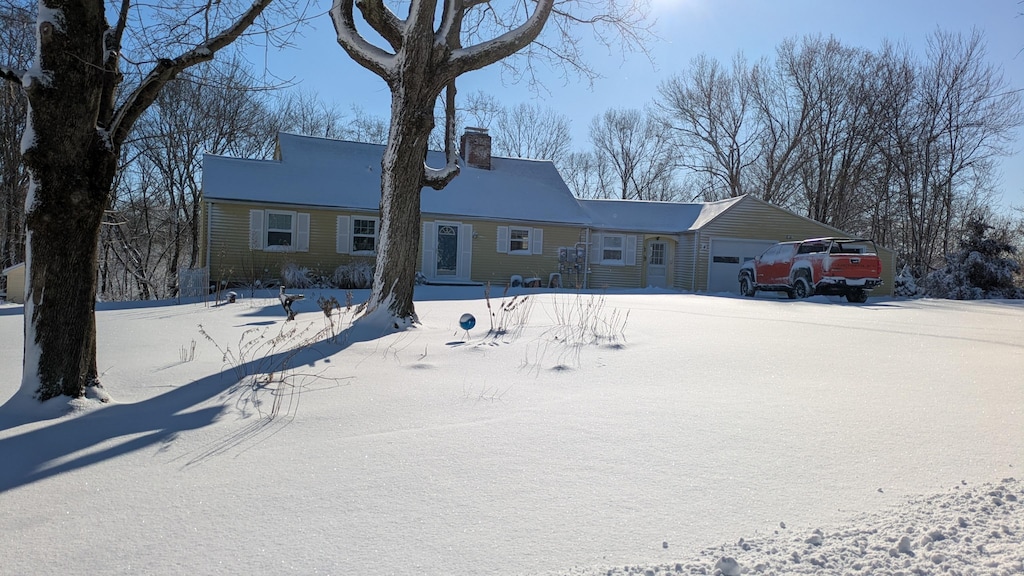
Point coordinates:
[[719, 28]]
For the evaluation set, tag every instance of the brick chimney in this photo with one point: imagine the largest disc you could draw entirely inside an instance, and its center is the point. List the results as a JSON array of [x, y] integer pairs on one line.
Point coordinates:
[[476, 147]]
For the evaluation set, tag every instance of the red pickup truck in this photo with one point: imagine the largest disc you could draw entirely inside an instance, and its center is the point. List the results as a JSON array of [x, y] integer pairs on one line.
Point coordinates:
[[830, 266]]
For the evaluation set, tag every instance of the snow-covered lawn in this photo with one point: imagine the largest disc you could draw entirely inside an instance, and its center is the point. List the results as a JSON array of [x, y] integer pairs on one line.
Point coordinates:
[[697, 427]]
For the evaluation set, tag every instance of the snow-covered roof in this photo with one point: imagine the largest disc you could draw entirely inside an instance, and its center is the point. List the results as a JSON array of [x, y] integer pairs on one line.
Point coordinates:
[[339, 174], [653, 217], [5, 271]]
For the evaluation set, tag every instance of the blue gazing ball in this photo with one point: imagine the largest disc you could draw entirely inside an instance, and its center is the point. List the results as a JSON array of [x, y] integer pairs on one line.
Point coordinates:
[[467, 321]]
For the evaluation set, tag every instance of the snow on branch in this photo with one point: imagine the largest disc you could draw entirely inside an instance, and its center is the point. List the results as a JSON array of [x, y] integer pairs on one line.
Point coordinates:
[[364, 53], [439, 178], [383, 21], [488, 52]]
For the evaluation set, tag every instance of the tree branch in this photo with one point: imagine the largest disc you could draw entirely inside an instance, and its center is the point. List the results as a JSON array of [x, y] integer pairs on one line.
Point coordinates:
[[167, 69], [12, 74], [364, 53], [486, 53], [384, 22], [439, 178]]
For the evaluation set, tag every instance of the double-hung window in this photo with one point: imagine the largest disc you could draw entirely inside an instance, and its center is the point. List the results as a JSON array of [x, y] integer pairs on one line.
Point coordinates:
[[518, 240], [613, 249], [357, 235], [280, 230], [364, 235]]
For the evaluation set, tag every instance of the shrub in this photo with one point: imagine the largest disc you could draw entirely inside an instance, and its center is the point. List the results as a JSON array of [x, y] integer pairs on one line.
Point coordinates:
[[983, 268], [353, 276], [296, 276], [905, 285]]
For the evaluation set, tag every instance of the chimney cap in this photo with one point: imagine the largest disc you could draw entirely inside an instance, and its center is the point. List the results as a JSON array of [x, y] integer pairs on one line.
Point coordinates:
[[476, 130]]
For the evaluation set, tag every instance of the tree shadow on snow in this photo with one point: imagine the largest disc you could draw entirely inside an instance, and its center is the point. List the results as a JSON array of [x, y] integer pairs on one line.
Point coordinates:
[[76, 441]]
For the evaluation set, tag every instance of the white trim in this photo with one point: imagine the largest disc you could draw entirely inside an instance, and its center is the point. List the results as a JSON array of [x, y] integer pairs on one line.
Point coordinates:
[[342, 237], [353, 235], [621, 261], [302, 232], [267, 231], [256, 237], [429, 250], [465, 262], [502, 240], [527, 250], [209, 231]]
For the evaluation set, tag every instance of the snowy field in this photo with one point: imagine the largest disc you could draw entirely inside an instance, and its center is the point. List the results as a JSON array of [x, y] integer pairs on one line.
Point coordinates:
[[641, 433]]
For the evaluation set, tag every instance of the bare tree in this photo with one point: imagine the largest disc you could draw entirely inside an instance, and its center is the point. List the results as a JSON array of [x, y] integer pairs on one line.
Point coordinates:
[[303, 112], [533, 131], [708, 110], [83, 104], [16, 41], [586, 176], [944, 124], [482, 109], [638, 149], [424, 54], [840, 141], [152, 225], [782, 110]]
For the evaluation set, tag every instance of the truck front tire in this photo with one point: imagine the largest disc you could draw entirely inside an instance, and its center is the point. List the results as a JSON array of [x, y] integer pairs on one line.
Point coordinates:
[[747, 287]]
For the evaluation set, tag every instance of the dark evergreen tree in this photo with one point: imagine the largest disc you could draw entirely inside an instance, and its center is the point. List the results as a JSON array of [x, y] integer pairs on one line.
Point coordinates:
[[984, 267]]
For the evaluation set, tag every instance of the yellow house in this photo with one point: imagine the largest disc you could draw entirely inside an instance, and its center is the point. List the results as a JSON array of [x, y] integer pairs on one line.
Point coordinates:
[[502, 220]]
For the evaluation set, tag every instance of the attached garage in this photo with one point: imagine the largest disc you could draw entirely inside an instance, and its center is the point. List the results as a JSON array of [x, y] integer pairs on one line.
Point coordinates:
[[726, 255], [696, 247], [735, 230]]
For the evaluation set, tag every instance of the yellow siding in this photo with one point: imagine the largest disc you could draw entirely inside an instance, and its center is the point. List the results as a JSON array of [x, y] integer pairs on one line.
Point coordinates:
[[683, 278], [232, 261], [489, 265], [608, 276], [751, 219], [16, 284]]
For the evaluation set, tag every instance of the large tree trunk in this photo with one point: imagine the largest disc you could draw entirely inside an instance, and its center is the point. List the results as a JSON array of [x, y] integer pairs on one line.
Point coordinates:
[[71, 165], [402, 174]]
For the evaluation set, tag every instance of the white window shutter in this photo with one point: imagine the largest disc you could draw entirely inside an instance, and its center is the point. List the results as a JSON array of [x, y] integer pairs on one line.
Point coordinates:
[[343, 238], [596, 249], [630, 251], [503, 239], [256, 230], [302, 232], [538, 240], [465, 251], [429, 248]]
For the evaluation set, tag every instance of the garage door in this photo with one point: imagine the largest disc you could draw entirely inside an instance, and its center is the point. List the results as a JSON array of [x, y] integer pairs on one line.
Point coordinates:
[[727, 255]]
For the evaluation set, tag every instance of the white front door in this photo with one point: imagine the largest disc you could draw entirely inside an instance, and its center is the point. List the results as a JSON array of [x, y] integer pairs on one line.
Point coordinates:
[[657, 264], [447, 250]]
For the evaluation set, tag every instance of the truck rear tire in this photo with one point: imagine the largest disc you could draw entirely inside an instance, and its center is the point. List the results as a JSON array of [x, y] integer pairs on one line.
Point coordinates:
[[802, 288], [857, 296]]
